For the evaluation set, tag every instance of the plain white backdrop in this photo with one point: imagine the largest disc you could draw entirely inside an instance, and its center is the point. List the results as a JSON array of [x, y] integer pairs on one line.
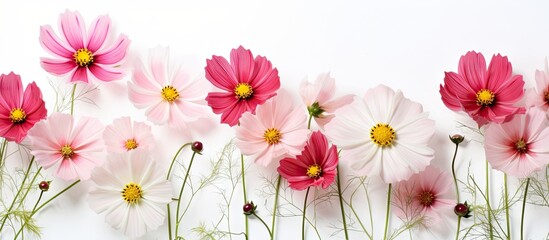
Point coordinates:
[[406, 45]]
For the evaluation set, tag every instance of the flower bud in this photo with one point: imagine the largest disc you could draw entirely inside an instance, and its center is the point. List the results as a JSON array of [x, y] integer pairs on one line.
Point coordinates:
[[315, 110], [249, 208], [44, 186], [197, 147], [462, 210], [456, 138]]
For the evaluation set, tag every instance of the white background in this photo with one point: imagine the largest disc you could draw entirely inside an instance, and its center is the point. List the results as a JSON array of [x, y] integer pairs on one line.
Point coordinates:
[[406, 45]]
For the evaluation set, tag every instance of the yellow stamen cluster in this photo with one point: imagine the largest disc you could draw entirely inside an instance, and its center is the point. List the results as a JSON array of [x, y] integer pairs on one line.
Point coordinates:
[[132, 193], [272, 136], [485, 97], [67, 151], [314, 171], [243, 91], [83, 57], [521, 146], [426, 198], [131, 144], [17, 115], [382, 135], [169, 93]]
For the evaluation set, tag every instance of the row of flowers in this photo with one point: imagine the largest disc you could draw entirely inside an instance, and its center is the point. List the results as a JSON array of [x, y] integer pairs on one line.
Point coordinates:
[[382, 134]]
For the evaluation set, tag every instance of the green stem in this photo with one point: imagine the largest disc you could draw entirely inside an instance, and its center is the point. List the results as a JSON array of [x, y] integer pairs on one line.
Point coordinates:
[[341, 204], [38, 201], [244, 189], [168, 178], [2, 152], [458, 226], [32, 181], [387, 212], [17, 194], [177, 219], [506, 199], [490, 226], [275, 206], [264, 224], [309, 122], [523, 208], [304, 211], [454, 171], [72, 98]]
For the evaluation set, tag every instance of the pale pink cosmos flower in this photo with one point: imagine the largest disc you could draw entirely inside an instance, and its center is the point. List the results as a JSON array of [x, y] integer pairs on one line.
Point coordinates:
[[19, 110], [383, 134], [82, 54], [277, 130], [315, 166], [539, 96], [72, 147], [124, 135], [519, 147], [318, 98], [487, 95], [167, 93], [246, 83], [425, 197], [132, 191]]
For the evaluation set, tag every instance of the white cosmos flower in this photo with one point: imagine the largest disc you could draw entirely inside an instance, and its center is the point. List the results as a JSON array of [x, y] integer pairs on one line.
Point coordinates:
[[383, 134], [132, 191]]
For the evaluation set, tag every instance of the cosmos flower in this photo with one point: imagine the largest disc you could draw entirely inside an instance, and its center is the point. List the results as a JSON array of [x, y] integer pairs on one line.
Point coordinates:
[[132, 192], [519, 147], [539, 96], [72, 147], [247, 82], [315, 166], [277, 130], [383, 134], [318, 98], [424, 197], [487, 95], [124, 135], [19, 110], [83, 55], [169, 96]]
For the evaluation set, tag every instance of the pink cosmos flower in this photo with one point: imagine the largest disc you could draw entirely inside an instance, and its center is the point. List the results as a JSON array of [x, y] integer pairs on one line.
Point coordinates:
[[167, 93], [73, 148], [316, 166], [519, 147], [539, 96], [81, 54], [424, 197], [247, 83], [318, 98], [486, 95], [276, 131], [19, 110], [123, 135]]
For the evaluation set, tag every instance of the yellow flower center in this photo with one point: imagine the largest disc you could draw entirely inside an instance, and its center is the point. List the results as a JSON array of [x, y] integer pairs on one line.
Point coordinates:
[[169, 93], [521, 146], [314, 171], [131, 144], [83, 57], [243, 90], [426, 198], [132, 193], [67, 151], [382, 134], [485, 97], [17, 115], [272, 136]]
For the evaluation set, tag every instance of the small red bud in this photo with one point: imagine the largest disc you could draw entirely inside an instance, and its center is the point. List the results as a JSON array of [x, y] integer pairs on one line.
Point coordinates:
[[456, 138], [44, 186], [249, 208], [197, 147], [462, 210]]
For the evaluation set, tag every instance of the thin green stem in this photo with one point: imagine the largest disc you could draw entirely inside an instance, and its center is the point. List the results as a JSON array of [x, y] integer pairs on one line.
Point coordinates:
[[177, 219], [17, 194], [38, 201], [243, 169], [490, 226], [523, 208], [3, 151], [387, 212], [454, 171], [458, 226], [341, 204], [309, 122], [168, 178], [304, 211], [32, 181], [264, 224], [506, 199], [275, 206], [72, 98]]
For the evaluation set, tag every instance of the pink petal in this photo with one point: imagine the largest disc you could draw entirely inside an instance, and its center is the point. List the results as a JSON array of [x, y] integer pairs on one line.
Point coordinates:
[[473, 67], [72, 25], [225, 103], [115, 53], [499, 72], [80, 75], [266, 80], [143, 98], [242, 62], [52, 44], [221, 74], [57, 66], [105, 73], [98, 32], [11, 89], [158, 113]]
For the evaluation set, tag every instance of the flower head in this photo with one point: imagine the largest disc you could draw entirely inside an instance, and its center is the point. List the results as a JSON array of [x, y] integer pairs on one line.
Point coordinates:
[[277, 130], [81, 54], [124, 135], [166, 92], [19, 110], [539, 96], [249, 208], [73, 148], [487, 95], [383, 134], [319, 98], [424, 197], [519, 147], [315, 166], [132, 191], [247, 82]]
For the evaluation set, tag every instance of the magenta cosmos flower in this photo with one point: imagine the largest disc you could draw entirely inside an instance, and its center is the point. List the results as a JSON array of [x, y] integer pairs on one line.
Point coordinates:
[[124, 135], [316, 166], [246, 82], [278, 130], [167, 92], [539, 96], [83, 55], [19, 110], [73, 148], [425, 197], [519, 147], [486, 95], [319, 98]]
